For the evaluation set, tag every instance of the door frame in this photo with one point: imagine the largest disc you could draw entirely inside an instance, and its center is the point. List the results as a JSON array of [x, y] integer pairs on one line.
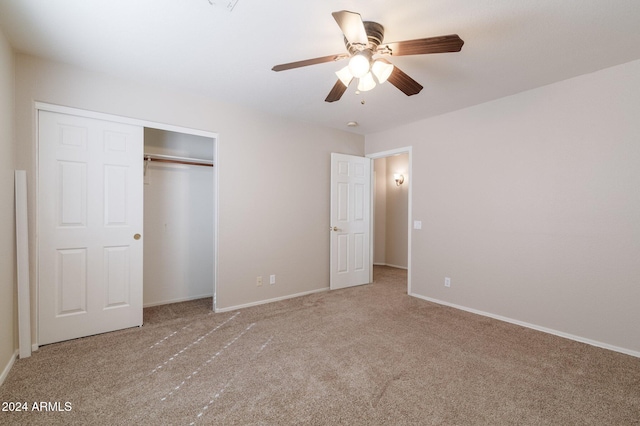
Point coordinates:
[[384, 154], [43, 106]]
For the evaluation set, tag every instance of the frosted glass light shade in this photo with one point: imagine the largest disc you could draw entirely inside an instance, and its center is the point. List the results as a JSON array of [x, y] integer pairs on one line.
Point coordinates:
[[359, 65], [345, 76], [366, 82], [382, 70]]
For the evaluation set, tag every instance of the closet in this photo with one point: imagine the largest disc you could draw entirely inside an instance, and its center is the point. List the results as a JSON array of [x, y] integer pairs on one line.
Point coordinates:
[[126, 218], [179, 217]]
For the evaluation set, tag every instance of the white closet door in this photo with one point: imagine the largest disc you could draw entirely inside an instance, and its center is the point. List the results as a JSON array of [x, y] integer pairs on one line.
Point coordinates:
[[90, 210]]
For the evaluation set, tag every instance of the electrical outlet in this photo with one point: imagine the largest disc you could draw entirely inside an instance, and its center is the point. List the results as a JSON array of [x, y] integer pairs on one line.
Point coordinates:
[[447, 282], [259, 281], [272, 279]]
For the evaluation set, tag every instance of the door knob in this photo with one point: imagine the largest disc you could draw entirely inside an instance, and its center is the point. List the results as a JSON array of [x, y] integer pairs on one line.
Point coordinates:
[[137, 236], [335, 229]]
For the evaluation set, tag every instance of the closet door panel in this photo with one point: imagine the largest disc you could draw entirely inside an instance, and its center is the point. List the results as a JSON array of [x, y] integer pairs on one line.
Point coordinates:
[[90, 208]]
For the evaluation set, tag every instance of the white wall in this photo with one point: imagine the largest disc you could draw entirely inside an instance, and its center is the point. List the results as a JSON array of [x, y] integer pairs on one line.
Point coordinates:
[[178, 220], [273, 173], [531, 204]]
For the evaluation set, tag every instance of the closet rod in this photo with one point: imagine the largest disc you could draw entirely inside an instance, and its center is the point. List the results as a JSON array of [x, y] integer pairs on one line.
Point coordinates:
[[178, 160]]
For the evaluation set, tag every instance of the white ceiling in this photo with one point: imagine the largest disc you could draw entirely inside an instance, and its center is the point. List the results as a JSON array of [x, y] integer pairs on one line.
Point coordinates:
[[510, 46]]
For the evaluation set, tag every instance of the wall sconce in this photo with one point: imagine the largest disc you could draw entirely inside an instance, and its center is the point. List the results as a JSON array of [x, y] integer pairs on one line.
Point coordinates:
[[399, 179]]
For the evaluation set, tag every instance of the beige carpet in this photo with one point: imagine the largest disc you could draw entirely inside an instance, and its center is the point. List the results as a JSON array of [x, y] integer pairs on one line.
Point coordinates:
[[369, 355]]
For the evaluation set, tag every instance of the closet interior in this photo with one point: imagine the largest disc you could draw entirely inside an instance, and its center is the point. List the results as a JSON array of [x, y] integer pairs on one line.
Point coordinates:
[[179, 217]]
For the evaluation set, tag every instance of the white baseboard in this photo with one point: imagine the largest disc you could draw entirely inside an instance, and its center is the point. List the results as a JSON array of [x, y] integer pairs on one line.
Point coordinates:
[[182, 299], [8, 367], [396, 266], [277, 299], [390, 265], [533, 327]]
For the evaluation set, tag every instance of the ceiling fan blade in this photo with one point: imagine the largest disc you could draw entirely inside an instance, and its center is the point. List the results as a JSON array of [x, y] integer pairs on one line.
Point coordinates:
[[421, 46], [336, 92], [307, 62], [403, 82], [352, 27]]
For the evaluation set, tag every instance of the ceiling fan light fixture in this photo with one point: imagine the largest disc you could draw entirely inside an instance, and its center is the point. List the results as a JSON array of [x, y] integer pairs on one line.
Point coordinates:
[[360, 63], [364, 40], [382, 70], [345, 76], [366, 82]]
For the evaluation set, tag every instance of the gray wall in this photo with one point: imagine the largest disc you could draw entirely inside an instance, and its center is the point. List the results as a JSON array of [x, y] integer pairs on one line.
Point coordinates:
[[8, 310], [380, 212], [531, 204]]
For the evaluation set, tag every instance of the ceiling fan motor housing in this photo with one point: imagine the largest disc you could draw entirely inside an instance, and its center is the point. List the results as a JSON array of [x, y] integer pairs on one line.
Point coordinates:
[[375, 35]]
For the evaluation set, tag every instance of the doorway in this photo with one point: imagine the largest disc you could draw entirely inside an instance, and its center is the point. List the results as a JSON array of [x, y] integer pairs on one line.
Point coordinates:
[[391, 207]]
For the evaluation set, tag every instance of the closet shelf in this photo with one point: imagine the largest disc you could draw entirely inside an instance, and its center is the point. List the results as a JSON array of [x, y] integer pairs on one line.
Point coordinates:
[[178, 160]]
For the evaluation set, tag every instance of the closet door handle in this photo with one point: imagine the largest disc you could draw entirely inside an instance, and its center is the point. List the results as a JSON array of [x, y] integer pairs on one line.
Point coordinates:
[[137, 236]]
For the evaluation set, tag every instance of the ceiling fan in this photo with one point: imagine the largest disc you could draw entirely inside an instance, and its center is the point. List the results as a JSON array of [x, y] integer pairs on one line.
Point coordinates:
[[366, 52]]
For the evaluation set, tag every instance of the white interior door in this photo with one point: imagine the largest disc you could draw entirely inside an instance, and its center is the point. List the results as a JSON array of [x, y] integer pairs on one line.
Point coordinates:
[[90, 210], [350, 221]]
